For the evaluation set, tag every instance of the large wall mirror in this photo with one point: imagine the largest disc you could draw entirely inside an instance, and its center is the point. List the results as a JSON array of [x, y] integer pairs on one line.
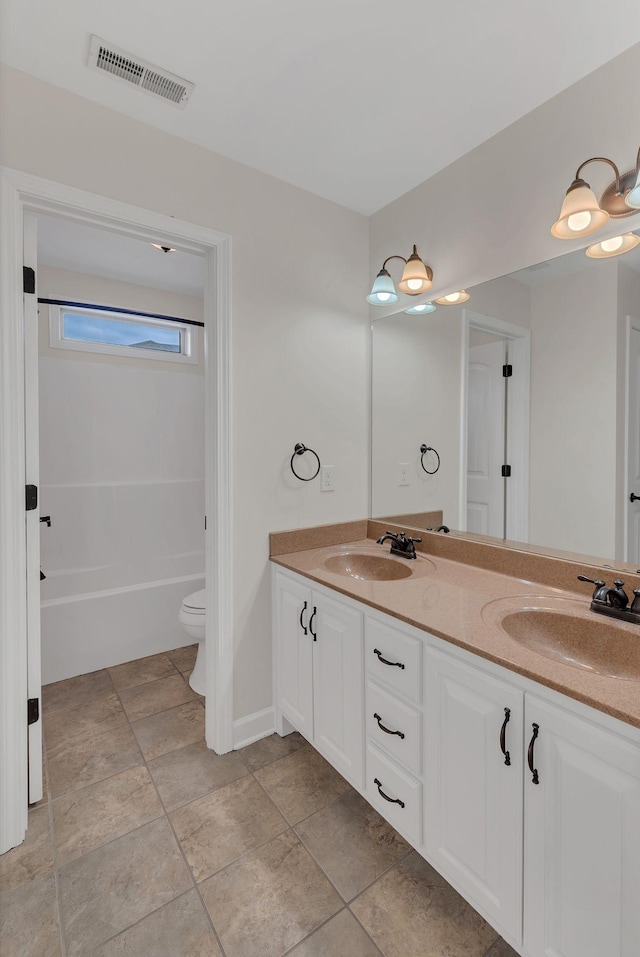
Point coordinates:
[[538, 371]]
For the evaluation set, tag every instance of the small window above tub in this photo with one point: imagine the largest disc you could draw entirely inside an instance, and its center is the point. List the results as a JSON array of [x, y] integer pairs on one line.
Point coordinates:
[[112, 332]]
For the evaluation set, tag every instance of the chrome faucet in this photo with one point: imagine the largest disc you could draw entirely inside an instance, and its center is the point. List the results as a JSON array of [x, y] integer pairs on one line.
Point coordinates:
[[401, 544], [614, 601]]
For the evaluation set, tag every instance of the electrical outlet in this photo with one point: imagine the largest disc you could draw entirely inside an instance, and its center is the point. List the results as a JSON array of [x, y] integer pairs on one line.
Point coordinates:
[[328, 478], [403, 473]]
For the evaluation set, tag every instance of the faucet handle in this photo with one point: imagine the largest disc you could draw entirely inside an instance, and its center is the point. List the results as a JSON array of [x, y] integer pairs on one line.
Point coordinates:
[[617, 596], [600, 591], [593, 581], [409, 539], [635, 604]]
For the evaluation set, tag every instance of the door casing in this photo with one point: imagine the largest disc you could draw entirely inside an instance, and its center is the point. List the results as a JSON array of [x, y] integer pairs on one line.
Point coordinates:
[[21, 192]]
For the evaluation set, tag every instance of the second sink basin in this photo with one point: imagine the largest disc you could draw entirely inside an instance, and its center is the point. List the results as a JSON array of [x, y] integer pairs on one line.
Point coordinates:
[[566, 631]]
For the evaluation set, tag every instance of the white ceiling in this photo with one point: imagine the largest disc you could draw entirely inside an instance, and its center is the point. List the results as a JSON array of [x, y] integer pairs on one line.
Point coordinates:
[[355, 100], [100, 252]]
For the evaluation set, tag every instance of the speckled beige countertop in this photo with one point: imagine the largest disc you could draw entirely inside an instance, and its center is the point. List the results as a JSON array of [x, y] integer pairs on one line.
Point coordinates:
[[464, 604]]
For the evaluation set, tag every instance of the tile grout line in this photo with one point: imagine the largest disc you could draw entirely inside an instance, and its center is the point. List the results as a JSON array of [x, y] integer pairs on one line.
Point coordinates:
[[345, 905], [179, 845]]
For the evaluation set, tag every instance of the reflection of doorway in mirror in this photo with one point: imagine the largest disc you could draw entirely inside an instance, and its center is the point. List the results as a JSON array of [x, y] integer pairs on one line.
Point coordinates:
[[495, 428], [486, 436], [633, 447]]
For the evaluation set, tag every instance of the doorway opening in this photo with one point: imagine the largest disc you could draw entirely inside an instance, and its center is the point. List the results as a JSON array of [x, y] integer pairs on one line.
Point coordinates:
[[26, 197], [494, 453]]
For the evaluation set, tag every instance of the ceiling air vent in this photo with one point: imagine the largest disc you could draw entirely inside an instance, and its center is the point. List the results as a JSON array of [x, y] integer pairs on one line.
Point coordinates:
[[146, 76]]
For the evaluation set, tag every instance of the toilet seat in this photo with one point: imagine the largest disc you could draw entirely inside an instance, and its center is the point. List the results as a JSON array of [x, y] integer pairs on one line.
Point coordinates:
[[196, 604]]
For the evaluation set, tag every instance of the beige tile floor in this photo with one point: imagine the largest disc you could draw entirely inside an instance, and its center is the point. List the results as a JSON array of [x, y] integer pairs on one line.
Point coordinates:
[[147, 844]]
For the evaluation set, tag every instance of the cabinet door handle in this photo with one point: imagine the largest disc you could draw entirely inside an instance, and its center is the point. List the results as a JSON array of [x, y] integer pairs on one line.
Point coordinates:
[[386, 730], [503, 736], [385, 796], [313, 615], [534, 771], [392, 664], [304, 627]]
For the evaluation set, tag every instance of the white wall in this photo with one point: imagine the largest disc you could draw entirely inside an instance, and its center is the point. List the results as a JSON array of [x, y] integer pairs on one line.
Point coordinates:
[[415, 400], [122, 477], [573, 412], [299, 321], [416, 397], [490, 212]]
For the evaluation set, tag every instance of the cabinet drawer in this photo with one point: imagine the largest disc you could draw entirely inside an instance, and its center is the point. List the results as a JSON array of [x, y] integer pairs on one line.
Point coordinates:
[[385, 777], [385, 710], [393, 658]]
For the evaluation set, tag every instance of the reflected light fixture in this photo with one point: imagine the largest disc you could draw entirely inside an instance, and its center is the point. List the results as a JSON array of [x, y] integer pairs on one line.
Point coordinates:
[[416, 279], [616, 246], [164, 249], [454, 298], [422, 309], [582, 213]]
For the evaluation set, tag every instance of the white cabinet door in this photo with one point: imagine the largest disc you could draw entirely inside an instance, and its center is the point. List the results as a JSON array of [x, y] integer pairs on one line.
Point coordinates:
[[294, 645], [473, 798], [582, 838], [338, 686]]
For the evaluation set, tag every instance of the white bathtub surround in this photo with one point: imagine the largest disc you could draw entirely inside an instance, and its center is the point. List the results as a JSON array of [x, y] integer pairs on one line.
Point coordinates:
[[122, 477]]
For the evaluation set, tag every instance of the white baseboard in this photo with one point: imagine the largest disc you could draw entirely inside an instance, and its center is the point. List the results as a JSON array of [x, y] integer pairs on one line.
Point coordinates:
[[254, 726]]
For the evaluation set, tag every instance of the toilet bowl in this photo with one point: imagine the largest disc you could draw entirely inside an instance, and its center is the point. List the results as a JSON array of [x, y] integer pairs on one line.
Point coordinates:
[[193, 618]]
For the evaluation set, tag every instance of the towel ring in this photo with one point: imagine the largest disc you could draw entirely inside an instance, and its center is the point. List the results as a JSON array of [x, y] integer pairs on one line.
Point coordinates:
[[300, 449], [428, 448]]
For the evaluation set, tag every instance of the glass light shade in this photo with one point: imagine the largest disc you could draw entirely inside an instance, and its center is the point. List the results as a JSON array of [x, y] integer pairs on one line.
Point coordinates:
[[580, 214], [615, 246], [383, 291], [454, 298], [422, 309], [415, 278], [632, 199]]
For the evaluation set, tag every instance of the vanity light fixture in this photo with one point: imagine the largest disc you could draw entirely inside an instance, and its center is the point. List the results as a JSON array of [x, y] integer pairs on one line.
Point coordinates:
[[416, 279], [164, 249], [615, 246], [454, 298], [422, 309], [582, 214]]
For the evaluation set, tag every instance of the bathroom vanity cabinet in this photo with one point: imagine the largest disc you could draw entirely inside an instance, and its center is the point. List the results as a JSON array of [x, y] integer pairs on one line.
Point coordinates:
[[441, 742], [319, 672]]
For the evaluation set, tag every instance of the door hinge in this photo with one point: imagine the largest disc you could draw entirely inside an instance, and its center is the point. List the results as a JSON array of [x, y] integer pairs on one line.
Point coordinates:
[[507, 371], [506, 471], [31, 497], [33, 710], [28, 280]]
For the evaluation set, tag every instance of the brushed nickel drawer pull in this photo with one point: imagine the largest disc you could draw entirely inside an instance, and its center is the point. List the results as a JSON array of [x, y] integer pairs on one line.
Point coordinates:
[[386, 730]]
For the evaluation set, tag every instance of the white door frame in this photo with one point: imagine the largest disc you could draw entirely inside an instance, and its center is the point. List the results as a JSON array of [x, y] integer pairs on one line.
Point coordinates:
[[19, 192], [622, 509], [517, 424]]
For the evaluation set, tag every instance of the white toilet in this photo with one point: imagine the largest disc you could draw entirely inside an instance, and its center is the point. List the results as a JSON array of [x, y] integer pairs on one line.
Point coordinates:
[[193, 618]]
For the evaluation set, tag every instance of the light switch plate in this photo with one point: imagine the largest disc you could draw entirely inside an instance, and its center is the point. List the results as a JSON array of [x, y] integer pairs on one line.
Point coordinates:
[[403, 473]]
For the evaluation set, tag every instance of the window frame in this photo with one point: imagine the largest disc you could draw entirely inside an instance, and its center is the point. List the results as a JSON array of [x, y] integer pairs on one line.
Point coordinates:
[[188, 334]]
